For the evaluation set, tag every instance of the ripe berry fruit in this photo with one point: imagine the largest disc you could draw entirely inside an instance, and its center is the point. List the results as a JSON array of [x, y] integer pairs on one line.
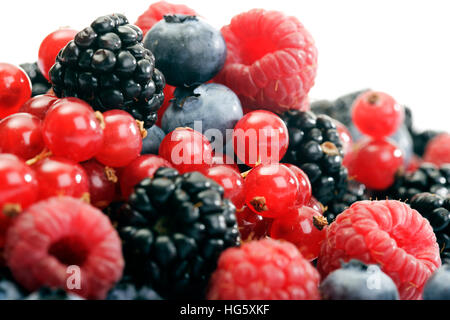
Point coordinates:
[[50, 47], [302, 226], [304, 186], [72, 130], [388, 233], [252, 226], [377, 114], [21, 135], [15, 89], [438, 286], [142, 167], [270, 190], [61, 232], [59, 176], [187, 150], [39, 84], [225, 160], [122, 139], [271, 60], [39, 105], [375, 163], [264, 270], [260, 137], [345, 137], [438, 150], [230, 180], [102, 183], [168, 96], [157, 11]]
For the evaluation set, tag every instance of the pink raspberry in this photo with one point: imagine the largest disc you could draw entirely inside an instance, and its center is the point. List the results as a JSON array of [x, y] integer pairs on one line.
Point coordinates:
[[156, 12], [271, 61], [264, 270], [438, 150], [388, 233], [60, 232]]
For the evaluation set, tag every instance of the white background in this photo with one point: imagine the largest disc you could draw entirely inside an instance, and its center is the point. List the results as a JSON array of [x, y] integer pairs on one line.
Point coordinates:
[[398, 46]]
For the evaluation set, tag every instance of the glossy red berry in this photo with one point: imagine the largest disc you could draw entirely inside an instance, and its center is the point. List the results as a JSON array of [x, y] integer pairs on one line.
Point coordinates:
[[50, 47], [15, 89], [316, 205], [168, 95], [71, 130], [304, 185], [102, 183], [61, 177], [187, 150], [304, 227], [39, 105], [21, 135], [224, 160], [142, 167], [252, 226], [375, 163], [437, 150], [230, 180], [260, 137], [122, 139], [377, 114], [271, 189], [345, 137]]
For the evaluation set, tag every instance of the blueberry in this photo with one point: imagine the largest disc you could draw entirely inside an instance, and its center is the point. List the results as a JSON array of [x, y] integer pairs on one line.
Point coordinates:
[[128, 291], [214, 105], [438, 285], [357, 281], [150, 145], [45, 293], [9, 290], [188, 50]]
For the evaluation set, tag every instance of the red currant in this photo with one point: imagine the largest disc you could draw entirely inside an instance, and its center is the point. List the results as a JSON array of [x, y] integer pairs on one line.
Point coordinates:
[[15, 89], [142, 167], [345, 137], [437, 150], [102, 183], [18, 190], [168, 95], [50, 47], [377, 114], [61, 177], [305, 189], [375, 163], [251, 225], [18, 184], [316, 205], [271, 189], [260, 137], [304, 227], [224, 160], [230, 180], [21, 135], [39, 105], [72, 130], [187, 150], [122, 142]]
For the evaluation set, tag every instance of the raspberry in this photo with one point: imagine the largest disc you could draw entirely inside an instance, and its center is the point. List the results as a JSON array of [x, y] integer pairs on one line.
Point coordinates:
[[438, 150], [54, 234], [264, 270], [271, 61], [388, 233], [158, 10]]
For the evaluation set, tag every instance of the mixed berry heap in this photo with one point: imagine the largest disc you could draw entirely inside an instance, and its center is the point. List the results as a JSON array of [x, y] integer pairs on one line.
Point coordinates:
[[173, 229], [107, 66], [437, 210], [315, 147]]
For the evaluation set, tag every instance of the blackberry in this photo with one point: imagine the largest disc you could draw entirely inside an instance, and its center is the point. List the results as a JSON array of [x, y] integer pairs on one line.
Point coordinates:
[[428, 178], [355, 192], [315, 147], [173, 229], [107, 66], [40, 85], [437, 210]]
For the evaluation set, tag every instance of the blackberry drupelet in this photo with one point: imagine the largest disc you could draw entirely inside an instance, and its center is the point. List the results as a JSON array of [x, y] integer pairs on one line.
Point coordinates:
[[107, 66], [315, 147], [173, 229], [428, 178], [40, 85], [437, 210], [355, 192]]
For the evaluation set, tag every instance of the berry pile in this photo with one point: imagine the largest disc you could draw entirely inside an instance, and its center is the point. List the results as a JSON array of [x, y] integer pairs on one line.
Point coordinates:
[[224, 184]]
